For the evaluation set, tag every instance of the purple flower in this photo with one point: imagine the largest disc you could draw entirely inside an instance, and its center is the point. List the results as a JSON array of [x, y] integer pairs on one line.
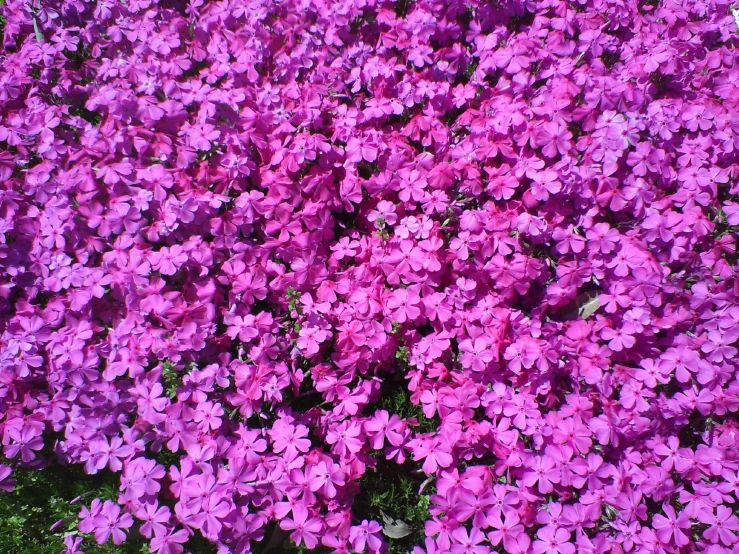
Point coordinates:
[[553, 541], [287, 247], [670, 526], [722, 525], [110, 523], [366, 536], [25, 441], [305, 528]]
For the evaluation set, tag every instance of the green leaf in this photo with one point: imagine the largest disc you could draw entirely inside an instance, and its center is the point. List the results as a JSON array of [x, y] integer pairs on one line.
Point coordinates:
[[590, 307], [39, 36], [394, 528]]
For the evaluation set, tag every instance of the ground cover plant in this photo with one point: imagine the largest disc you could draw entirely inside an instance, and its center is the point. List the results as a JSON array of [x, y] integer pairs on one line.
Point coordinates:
[[428, 276]]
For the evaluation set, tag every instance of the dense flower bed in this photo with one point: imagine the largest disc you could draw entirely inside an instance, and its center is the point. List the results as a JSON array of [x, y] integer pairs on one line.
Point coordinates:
[[231, 230]]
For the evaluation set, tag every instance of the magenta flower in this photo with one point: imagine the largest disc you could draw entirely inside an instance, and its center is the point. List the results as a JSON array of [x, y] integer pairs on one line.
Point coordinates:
[[506, 527], [670, 527], [208, 415], [364, 148], [383, 427], [168, 260], [154, 517], [290, 439], [25, 441], [403, 305], [211, 514], [72, 545], [292, 250], [469, 543], [553, 541], [326, 477], [476, 354], [521, 355], [723, 523], [366, 536], [305, 528], [170, 543], [110, 523], [6, 483], [310, 339], [543, 472], [345, 438], [719, 344], [435, 453]]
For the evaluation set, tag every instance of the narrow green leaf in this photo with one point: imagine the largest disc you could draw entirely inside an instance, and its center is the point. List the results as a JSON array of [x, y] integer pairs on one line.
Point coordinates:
[[39, 36]]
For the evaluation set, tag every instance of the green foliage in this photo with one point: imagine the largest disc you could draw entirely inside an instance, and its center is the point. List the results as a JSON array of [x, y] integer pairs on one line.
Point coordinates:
[[396, 400], [171, 379], [382, 231], [293, 300], [277, 541], [166, 458], [401, 7], [41, 498], [91, 117], [392, 490], [402, 354], [470, 68]]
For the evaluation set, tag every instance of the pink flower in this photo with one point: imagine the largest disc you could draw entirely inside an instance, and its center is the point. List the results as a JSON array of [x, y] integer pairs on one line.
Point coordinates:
[[201, 137], [543, 471], [212, 512], [358, 149], [294, 252], [345, 438], [469, 543], [326, 477], [168, 260], [353, 332], [476, 355], [169, 543], [572, 431], [723, 523], [553, 541], [103, 453], [718, 345], [208, 415], [6, 483], [506, 530], [403, 305], [345, 248], [310, 339], [435, 453], [305, 528], [620, 339], [289, 439], [109, 522], [25, 441], [154, 517], [670, 527], [366, 536], [382, 426], [72, 544], [522, 354], [435, 202]]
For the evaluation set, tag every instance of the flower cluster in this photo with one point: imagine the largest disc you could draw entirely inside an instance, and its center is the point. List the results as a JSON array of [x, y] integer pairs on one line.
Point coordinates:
[[229, 228]]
